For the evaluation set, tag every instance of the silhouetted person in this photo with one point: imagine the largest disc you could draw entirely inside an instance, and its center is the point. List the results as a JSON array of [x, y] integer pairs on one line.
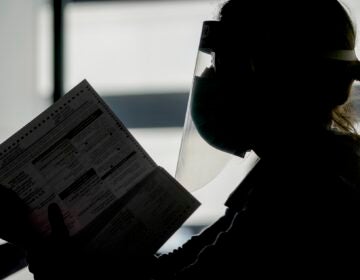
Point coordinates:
[[283, 73]]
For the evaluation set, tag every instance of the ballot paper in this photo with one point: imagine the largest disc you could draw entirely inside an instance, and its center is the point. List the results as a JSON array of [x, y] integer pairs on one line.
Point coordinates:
[[113, 196]]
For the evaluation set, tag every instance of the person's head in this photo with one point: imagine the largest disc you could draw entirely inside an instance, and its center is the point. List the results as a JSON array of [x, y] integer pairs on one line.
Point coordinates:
[[275, 73]]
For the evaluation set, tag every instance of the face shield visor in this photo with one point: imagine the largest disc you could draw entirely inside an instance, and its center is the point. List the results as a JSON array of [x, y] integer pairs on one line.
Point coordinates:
[[199, 161]]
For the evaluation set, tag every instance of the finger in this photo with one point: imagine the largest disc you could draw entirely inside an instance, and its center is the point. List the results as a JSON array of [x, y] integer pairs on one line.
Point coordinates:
[[58, 228]]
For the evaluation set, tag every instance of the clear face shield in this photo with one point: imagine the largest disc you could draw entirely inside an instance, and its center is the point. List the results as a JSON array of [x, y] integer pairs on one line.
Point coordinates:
[[200, 163]]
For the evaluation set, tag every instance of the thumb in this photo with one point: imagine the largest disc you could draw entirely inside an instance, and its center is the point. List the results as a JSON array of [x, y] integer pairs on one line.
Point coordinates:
[[59, 231]]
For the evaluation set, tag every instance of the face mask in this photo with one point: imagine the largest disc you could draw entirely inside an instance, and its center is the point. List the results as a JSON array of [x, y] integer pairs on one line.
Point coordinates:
[[215, 112]]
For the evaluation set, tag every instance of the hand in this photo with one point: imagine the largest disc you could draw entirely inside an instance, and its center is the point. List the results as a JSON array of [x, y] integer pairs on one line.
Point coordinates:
[[53, 257], [60, 257], [43, 255]]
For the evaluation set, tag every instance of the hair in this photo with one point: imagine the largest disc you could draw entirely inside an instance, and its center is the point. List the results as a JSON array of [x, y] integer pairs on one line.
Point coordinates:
[[317, 27], [344, 118]]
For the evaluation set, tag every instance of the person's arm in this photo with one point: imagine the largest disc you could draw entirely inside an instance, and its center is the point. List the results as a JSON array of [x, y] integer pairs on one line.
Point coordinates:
[[169, 264], [59, 257], [56, 258], [63, 262]]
